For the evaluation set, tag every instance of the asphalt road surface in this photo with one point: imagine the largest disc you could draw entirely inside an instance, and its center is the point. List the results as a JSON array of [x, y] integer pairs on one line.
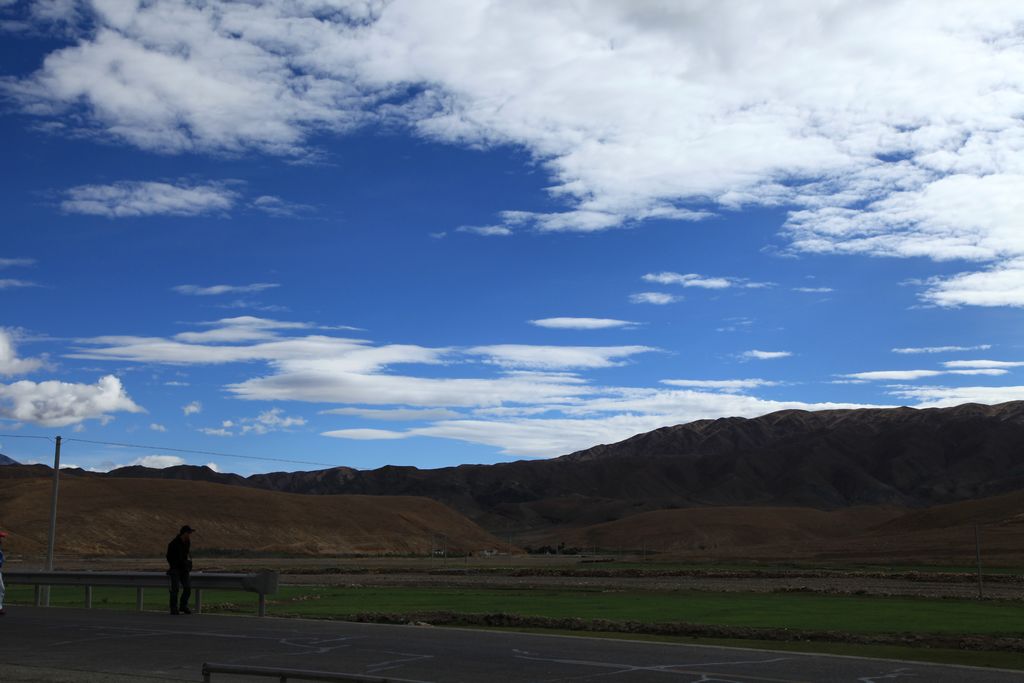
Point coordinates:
[[38, 644]]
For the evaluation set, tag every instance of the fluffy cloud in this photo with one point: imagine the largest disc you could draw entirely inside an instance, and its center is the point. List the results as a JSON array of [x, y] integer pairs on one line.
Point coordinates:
[[581, 323], [135, 198], [884, 128], [945, 397], [273, 420], [193, 408], [157, 427], [158, 462], [10, 364], [58, 404]]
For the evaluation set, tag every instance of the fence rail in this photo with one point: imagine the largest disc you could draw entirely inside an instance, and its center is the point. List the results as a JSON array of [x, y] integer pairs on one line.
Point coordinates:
[[210, 668], [262, 583]]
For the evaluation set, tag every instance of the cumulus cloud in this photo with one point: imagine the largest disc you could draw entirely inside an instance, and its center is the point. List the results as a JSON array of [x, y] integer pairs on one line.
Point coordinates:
[[158, 462], [58, 404], [130, 198], [215, 290], [193, 408], [657, 298], [10, 364], [887, 129], [940, 349], [157, 427], [581, 323]]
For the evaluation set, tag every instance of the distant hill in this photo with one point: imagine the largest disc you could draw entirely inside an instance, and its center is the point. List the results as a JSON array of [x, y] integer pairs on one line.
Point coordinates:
[[4, 460], [825, 460], [114, 516]]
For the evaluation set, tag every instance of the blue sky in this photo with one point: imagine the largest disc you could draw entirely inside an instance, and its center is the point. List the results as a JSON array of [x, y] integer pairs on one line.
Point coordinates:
[[362, 233]]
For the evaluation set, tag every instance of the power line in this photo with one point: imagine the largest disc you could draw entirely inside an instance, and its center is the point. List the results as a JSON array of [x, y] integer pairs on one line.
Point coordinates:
[[25, 436], [186, 450]]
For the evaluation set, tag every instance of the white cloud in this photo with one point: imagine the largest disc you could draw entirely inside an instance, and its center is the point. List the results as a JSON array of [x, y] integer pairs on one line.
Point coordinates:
[[581, 323], [14, 283], [216, 431], [906, 375], [397, 414], [157, 427], [16, 262], [755, 354], [885, 128], [702, 281], [366, 434], [131, 198], [57, 404], [813, 290], [720, 384], [486, 230], [983, 364], [10, 364], [272, 420], [940, 349], [945, 397], [193, 408], [657, 298], [279, 208], [556, 357], [214, 290], [158, 462]]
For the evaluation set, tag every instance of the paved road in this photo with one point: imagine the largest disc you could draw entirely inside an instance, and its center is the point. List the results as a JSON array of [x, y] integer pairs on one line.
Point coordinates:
[[99, 645]]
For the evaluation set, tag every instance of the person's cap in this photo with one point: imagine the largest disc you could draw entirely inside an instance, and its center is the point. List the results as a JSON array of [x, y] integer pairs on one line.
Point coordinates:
[[186, 529]]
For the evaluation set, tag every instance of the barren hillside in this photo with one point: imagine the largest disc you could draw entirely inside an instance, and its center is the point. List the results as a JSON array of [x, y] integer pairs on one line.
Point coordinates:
[[107, 516]]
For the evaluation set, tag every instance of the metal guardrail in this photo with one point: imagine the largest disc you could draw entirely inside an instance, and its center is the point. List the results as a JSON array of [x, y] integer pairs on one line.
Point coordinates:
[[262, 583], [210, 668]]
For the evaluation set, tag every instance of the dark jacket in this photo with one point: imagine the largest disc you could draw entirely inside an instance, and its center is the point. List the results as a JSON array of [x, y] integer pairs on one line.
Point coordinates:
[[178, 556]]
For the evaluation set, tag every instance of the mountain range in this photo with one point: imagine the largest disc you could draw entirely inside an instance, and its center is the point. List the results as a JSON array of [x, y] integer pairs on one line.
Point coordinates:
[[826, 460]]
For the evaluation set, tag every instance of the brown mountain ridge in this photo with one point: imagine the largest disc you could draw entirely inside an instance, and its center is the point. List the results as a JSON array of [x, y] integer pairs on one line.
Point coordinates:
[[825, 460]]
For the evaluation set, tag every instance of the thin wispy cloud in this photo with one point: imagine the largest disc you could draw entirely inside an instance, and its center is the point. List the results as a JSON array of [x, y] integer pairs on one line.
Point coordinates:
[[486, 230], [582, 323], [702, 281], [217, 290], [940, 349], [14, 283], [757, 354], [16, 262], [656, 298], [130, 198]]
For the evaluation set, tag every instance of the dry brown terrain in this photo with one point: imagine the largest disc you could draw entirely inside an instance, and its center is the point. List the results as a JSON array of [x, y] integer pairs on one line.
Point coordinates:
[[137, 517]]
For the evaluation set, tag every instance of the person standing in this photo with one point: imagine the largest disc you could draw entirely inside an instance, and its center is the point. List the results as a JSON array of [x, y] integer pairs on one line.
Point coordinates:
[[179, 558], [3, 535]]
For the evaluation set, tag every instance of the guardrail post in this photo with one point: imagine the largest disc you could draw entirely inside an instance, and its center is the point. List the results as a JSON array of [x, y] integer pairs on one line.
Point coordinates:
[[38, 596], [139, 593], [199, 601], [263, 605], [88, 597]]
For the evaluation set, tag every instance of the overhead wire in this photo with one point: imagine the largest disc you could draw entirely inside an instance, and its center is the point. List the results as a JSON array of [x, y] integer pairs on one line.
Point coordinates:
[[218, 454]]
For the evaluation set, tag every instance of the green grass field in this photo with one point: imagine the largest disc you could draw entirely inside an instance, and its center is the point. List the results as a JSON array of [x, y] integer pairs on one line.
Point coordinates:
[[803, 611]]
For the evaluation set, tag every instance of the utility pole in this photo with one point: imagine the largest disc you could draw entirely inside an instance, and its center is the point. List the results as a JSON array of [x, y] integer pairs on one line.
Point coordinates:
[[53, 519]]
